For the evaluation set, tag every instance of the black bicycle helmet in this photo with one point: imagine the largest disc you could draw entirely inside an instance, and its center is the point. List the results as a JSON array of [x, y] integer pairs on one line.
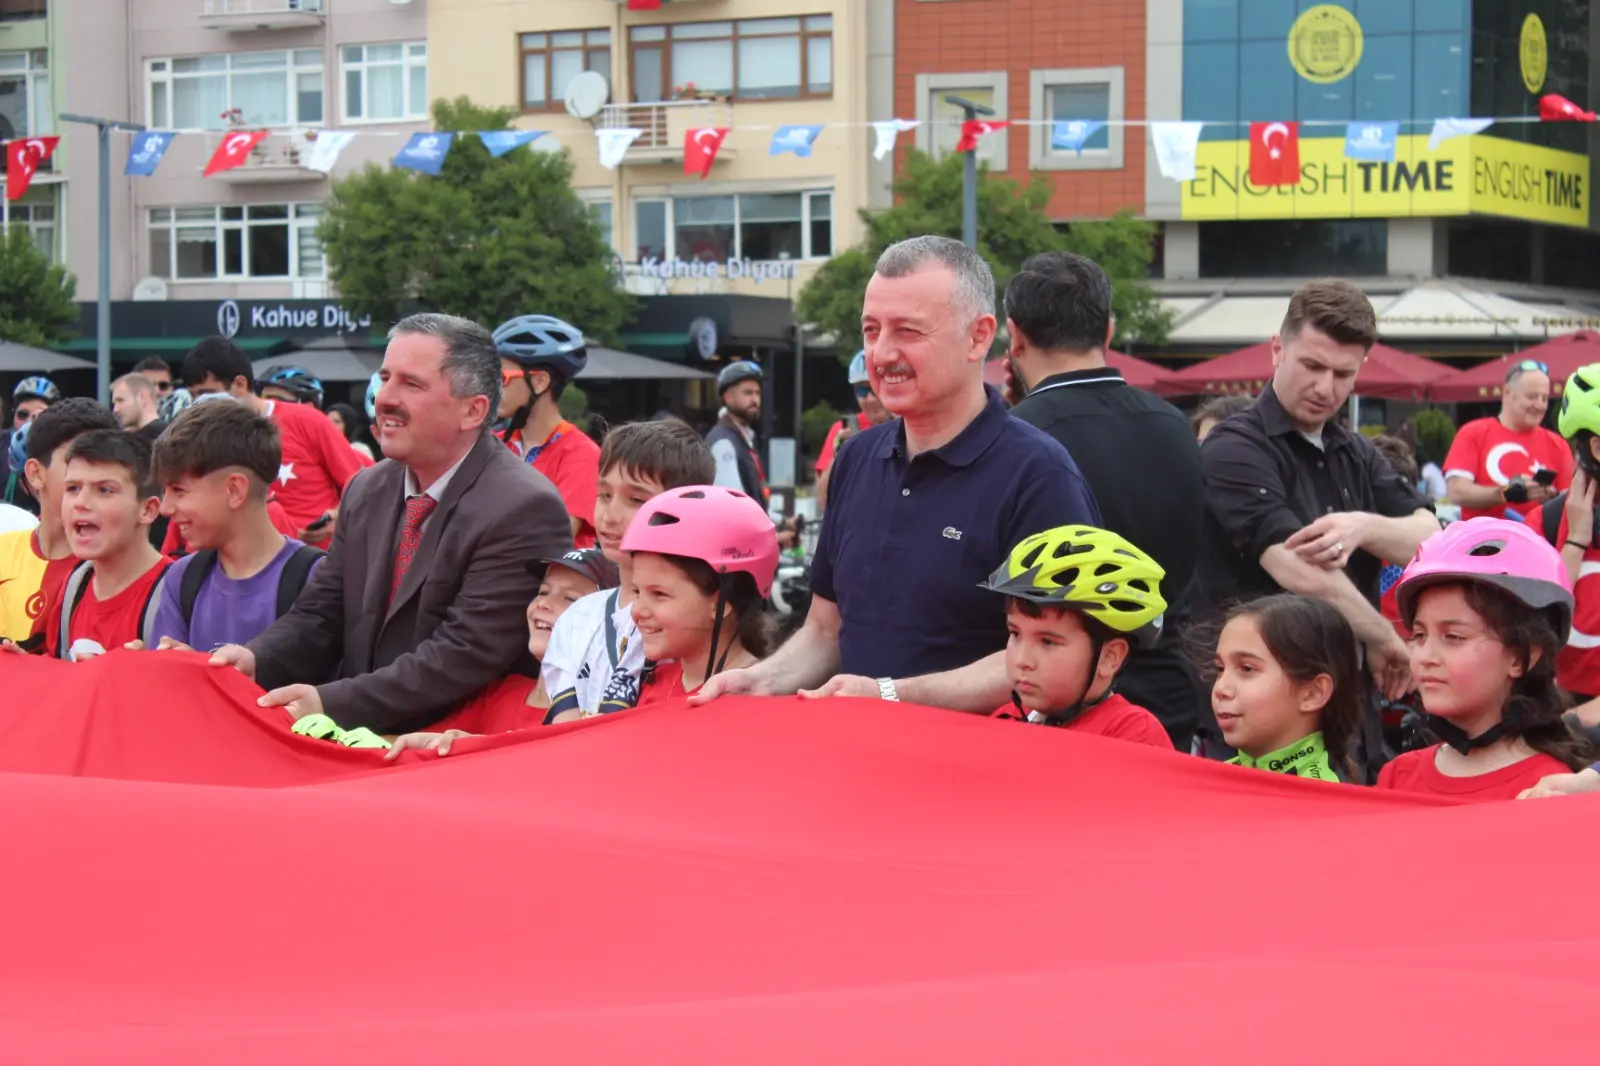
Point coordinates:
[[734, 373], [297, 381]]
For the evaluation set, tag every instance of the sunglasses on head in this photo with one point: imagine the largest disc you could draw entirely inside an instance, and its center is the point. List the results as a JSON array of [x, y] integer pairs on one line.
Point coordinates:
[[1527, 365]]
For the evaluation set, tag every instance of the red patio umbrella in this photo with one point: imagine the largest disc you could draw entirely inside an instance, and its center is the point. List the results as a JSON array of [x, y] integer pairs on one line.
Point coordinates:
[[1562, 355], [1388, 374], [1136, 372]]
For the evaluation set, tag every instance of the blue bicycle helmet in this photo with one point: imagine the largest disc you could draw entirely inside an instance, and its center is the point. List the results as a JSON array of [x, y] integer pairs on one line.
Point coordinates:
[[734, 373], [35, 388], [19, 446], [540, 342], [295, 380], [858, 368], [373, 384]]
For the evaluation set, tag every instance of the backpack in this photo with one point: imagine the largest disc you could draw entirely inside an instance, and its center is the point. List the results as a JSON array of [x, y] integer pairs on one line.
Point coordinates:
[[72, 594], [296, 571]]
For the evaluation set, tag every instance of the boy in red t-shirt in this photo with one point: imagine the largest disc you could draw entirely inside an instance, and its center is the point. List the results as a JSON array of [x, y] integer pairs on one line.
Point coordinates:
[[539, 355], [318, 463], [1076, 597], [108, 506]]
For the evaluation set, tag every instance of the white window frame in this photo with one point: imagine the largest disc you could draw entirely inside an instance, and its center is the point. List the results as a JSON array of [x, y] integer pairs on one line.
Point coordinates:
[[159, 70], [670, 197], [300, 216], [34, 73], [1040, 155], [995, 149], [593, 198], [414, 54], [25, 213]]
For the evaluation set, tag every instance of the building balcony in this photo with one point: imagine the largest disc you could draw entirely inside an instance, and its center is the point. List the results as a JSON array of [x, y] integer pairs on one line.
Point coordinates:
[[249, 16], [272, 164], [665, 124]]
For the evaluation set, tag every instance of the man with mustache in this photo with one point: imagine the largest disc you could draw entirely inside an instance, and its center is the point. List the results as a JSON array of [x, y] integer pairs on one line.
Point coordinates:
[[922, 508], [420, 601]]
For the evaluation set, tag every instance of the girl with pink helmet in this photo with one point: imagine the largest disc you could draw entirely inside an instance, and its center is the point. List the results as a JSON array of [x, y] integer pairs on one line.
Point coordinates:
[[1489, 604], [703, 562]]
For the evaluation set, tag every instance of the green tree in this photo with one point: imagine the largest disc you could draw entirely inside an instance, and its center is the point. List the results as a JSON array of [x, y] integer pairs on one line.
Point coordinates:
[[1012, 225], [487, 238], [36, 296]]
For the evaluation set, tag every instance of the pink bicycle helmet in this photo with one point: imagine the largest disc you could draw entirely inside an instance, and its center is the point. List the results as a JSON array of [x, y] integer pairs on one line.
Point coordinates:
[[722, 527], [1492, 551]]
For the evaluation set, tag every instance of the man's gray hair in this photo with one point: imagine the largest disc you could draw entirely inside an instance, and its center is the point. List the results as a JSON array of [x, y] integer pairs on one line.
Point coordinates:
[[471, 361], [974, 291]]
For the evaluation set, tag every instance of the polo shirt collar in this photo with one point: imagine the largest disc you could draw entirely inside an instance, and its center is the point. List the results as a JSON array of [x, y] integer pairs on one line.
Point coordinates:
[[967, 445], [1096, 375], [1276, 421]]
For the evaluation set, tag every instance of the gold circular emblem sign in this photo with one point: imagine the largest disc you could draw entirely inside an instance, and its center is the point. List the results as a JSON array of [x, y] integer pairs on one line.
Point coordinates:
[[1325, 44], [1534, 53]]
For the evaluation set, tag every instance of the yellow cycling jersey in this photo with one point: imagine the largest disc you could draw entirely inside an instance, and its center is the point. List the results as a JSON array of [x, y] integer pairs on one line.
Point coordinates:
[[21, 574]]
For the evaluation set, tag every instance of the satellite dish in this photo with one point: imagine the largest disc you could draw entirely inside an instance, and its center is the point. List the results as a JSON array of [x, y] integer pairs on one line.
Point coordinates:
[[151, 288], [587, 94]]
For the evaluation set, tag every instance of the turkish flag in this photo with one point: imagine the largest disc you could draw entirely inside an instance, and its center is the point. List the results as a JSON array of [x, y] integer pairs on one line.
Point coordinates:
[[1274, 153], [974, 130], [644, 5], [23, 157], [700, 148], [1553, 108], [233, 150]]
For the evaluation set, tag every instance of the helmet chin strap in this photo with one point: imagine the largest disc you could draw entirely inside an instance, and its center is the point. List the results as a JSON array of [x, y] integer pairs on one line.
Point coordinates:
[[520, 418], [1079, 706], [713, 665], [1457, 738]]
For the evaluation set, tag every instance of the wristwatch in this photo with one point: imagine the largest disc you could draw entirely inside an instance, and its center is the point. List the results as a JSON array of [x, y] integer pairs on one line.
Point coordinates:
[[886, 689]]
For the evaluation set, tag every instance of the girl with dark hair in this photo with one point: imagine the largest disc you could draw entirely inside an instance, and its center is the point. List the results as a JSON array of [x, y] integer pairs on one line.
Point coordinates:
[[346, 421], [1489, 604], [1287, 692]]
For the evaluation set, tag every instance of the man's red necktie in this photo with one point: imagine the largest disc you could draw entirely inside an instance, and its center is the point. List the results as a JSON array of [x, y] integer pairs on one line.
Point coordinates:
[[418, 508]]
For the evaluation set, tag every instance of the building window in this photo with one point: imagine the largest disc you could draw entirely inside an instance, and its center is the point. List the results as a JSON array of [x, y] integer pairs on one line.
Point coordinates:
[[941, 122], [385, 82], [39, 219], [269, 241], [598, 201], [1094, 94], [748, 59], [24, 94], [1305, 248], [551, 60], [265, 88], [713, 229]]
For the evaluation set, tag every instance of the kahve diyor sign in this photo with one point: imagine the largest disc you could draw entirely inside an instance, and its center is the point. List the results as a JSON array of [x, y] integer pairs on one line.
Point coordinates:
[[757, 270], [324, 318]]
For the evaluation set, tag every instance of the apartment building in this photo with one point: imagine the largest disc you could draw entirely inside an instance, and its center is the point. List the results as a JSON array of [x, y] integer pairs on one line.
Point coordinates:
[[202, 67], [759, 223]]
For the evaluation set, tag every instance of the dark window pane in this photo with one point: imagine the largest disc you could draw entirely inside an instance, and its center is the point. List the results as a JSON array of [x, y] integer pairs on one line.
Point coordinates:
[[1496, 251], [1351, 248], [269, 251]]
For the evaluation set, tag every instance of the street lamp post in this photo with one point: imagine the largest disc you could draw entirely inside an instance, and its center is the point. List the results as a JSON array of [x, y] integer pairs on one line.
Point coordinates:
[[969, 184], [103, 302]]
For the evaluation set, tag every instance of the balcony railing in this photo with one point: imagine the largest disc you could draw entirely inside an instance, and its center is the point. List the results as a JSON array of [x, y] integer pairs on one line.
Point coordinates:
[[664, 125], [239, 16]]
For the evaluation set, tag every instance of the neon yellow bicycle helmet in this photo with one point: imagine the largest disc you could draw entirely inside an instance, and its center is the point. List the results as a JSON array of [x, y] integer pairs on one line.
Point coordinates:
[[1580, 402], [1093, 571]]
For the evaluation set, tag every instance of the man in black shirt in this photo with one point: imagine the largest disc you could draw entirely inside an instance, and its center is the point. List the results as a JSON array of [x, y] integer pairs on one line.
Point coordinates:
[[1137, 453], [1296, 502]]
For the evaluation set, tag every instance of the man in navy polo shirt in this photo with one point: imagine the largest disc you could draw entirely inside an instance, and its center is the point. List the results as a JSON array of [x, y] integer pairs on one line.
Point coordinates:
[[922, 508]]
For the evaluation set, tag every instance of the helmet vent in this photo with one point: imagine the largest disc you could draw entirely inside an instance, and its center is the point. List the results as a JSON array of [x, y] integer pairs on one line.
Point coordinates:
[[696, 494], [662, 519], [1488, 547]]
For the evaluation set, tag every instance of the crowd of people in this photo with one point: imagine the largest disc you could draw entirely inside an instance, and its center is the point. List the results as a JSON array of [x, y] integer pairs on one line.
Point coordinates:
[[1259, 584]]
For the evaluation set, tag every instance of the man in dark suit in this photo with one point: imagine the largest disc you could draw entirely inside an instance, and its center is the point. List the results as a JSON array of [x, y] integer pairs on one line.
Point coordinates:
[[423, 595]]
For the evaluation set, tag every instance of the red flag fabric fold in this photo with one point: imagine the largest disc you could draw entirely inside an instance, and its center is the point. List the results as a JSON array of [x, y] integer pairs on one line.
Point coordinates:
[[975, 130], [758, 880], [700, 149], [234, 150], [1553, 108], [24, 156]]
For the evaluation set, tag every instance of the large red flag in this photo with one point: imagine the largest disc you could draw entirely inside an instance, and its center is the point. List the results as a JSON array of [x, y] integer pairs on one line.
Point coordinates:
[[23, 157], [234, 149], [1553, 108], [1274, 153], [700, 148], [974, 130]]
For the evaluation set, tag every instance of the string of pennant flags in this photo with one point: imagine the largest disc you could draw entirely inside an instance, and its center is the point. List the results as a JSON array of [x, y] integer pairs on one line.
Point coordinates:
[[1274, 146]]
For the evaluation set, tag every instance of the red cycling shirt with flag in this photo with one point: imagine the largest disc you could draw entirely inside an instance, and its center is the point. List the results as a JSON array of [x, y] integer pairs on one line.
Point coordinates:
[[1490, 454]]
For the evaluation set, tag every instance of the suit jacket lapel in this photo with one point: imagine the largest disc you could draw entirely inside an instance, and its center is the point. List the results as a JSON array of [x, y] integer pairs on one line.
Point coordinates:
[[464, 476]]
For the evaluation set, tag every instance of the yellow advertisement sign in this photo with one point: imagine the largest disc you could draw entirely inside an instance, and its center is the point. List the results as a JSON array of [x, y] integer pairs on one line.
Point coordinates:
[[1465, 175]]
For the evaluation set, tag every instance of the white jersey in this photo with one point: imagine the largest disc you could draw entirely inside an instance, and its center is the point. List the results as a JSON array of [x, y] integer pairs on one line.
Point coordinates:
[[590, 664]]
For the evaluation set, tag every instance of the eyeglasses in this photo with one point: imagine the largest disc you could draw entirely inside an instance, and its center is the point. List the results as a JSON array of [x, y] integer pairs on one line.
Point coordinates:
[[162, 386], [863, 391], [508, 376], [1525, 366]]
